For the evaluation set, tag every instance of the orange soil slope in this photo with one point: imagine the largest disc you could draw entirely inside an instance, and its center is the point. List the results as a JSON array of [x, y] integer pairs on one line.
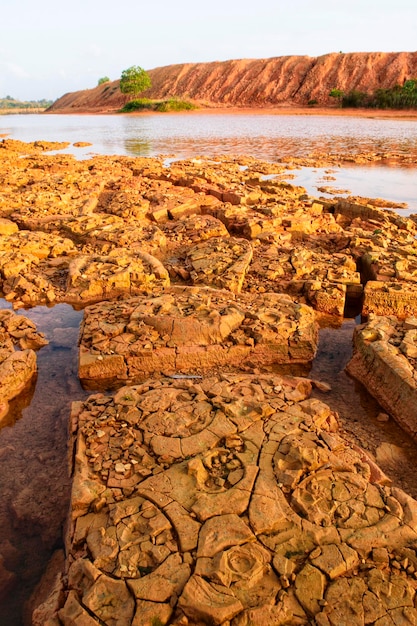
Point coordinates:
[[290, 80]]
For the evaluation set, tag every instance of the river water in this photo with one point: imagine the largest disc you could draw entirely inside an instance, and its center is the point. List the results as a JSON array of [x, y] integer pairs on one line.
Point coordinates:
[[267, 137], [34, 486]]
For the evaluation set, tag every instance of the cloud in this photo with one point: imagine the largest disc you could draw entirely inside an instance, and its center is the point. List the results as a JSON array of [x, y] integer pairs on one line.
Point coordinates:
[[15, 70], [94, 50]]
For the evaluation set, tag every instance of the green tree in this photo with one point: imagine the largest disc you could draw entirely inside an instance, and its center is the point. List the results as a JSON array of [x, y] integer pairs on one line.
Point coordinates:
[[103, 80], [337, 93], [134, 80]]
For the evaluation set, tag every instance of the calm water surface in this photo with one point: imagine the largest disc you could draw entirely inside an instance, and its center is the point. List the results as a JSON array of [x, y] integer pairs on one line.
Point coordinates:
[[267, 137]]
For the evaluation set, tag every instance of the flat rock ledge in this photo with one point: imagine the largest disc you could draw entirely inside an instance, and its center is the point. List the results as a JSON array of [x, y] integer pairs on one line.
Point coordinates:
[[18, 342], [229, 500], [385, 361], [192, 329]]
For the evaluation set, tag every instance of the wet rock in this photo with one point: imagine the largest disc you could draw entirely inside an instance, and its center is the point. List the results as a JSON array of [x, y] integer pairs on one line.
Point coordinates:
[[228, 223], [384, 361], [17, 367]]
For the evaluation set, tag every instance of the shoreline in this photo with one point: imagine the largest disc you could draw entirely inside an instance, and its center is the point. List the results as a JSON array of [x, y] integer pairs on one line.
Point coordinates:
[[278, 110]]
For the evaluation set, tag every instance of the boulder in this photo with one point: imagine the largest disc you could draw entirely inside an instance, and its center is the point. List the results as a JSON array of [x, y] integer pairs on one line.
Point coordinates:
[[384, 360]]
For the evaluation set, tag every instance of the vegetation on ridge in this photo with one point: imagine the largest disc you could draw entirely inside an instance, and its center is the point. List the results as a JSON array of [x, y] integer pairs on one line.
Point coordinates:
[[279, 81], [397, 97], [163, 106], [134, 80]]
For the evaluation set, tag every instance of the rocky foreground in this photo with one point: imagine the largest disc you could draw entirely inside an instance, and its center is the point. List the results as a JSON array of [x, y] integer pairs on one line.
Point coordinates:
[[207, 487]]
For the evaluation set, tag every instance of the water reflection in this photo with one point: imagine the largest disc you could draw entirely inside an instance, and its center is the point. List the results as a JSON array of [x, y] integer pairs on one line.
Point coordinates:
[[34, 481], [138, 147], [267, 137], [395, 184], [19, 404], [264, 136]]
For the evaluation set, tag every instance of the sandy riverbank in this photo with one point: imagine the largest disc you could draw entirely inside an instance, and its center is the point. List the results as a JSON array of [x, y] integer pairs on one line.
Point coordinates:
[[284, 110]]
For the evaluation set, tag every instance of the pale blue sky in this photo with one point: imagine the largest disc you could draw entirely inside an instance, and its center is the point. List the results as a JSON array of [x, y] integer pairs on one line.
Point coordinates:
[[50, 47]]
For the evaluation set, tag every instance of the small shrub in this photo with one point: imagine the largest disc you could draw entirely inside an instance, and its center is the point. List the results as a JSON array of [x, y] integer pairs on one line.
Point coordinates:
[[354, 99], [337, 94], [162, 106], [312, 103], [174, 105], [137, 105]]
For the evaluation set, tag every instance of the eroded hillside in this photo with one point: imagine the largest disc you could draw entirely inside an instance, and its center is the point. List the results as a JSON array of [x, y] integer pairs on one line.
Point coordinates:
[[258, 82]]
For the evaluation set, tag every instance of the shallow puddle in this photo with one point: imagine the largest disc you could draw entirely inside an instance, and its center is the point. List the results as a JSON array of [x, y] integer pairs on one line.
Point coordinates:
[[394, 184], [34, 483], [392, 448]]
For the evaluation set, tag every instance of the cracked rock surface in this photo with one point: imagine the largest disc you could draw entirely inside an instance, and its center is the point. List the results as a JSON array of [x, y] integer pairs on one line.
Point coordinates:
[[231, 500], [207, 487], [385, 360]]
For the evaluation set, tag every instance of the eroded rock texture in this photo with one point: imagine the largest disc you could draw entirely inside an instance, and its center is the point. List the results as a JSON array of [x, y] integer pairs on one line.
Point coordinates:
[[112, 227], [231, 500], [192, 330], [385, 360], [18, 342]]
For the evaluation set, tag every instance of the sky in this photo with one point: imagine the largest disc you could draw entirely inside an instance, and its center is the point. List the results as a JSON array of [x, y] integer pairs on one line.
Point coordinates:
[[51, 47]]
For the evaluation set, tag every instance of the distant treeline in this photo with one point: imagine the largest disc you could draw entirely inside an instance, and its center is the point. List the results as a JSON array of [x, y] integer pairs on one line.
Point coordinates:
[[397, 97], [11, 103]]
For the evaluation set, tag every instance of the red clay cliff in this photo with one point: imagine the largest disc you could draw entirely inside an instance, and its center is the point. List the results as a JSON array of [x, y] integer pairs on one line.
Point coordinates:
[[257, 83]]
